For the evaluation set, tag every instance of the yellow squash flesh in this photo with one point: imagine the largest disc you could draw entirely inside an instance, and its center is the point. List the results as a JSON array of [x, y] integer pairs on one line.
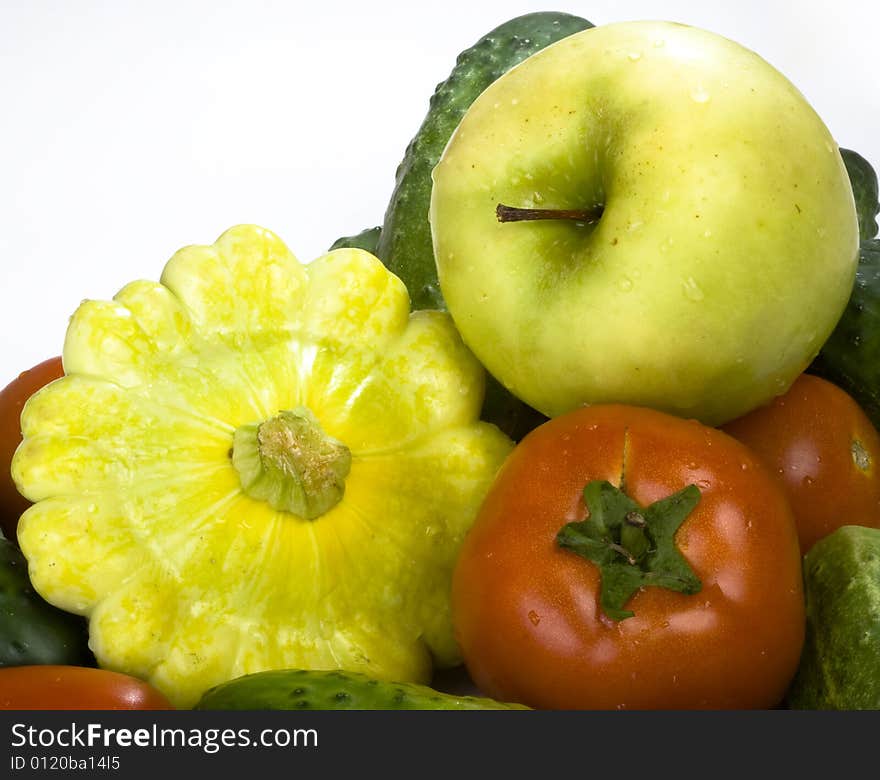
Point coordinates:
[[140, 520]]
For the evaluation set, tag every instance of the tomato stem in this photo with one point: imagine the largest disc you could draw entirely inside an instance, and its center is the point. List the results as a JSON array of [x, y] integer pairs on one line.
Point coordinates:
[[635, 519], [619, 548], [643, 536]]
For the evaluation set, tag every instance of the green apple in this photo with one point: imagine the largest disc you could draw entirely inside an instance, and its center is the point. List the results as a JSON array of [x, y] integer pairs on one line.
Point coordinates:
[[688, 237]]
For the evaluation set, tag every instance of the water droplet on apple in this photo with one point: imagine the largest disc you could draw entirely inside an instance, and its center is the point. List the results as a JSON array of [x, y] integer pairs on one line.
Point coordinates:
[[692, 290], [432, 530], [634, 56], [700, 95], [707, 233]]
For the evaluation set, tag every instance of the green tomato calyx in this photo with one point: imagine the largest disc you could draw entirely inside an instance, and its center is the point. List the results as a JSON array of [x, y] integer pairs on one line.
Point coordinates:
[[633, 546], [291, 463]]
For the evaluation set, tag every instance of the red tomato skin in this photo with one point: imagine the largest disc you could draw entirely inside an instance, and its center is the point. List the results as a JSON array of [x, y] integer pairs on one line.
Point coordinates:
[[12, 400], [806, 438], [526, 612], [75, 688]]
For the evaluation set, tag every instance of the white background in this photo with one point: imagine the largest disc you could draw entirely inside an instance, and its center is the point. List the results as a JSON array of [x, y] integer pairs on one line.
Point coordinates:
[[128, 130]]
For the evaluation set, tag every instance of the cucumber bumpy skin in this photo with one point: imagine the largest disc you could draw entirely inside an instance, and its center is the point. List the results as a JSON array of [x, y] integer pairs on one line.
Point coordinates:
[[863, 179], [850, 358], [840, 666], [300, 689], [851, 355], [32, 631], [405, 244]]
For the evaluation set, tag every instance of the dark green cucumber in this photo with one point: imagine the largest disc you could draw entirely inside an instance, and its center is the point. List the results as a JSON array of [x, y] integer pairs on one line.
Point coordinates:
[[840, 663], [864, 186], [404, 242], [32, 631], [299, 689], [405, 245], [851, 356], [367, 239]]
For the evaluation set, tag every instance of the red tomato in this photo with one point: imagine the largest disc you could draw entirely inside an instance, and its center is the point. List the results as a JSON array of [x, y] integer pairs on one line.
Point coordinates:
[[12, 399], [825, 451], [527, 612], [75, 688]]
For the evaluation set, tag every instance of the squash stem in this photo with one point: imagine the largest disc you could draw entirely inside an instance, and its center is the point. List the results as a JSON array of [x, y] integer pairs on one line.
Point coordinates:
[[291, 463]]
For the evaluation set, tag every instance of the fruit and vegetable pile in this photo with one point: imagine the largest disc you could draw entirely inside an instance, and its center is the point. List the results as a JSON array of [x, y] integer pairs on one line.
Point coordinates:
[[590, 417]]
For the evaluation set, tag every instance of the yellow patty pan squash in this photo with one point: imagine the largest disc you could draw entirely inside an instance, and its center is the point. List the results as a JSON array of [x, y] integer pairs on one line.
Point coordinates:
[[257, 464]]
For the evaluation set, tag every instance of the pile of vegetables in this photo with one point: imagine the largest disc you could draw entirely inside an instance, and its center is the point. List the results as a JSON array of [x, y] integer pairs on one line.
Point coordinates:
[[265, 484]]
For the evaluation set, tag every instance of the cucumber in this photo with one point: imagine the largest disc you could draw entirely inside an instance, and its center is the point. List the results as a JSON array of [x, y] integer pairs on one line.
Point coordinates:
[[840, 663], [32, 631], [300, 689], [367, 239], [865, 192], [850, 358], [405, 243]]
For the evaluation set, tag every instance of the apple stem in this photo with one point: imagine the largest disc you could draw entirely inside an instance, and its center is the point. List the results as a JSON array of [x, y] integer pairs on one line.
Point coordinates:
[[513, 214]]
